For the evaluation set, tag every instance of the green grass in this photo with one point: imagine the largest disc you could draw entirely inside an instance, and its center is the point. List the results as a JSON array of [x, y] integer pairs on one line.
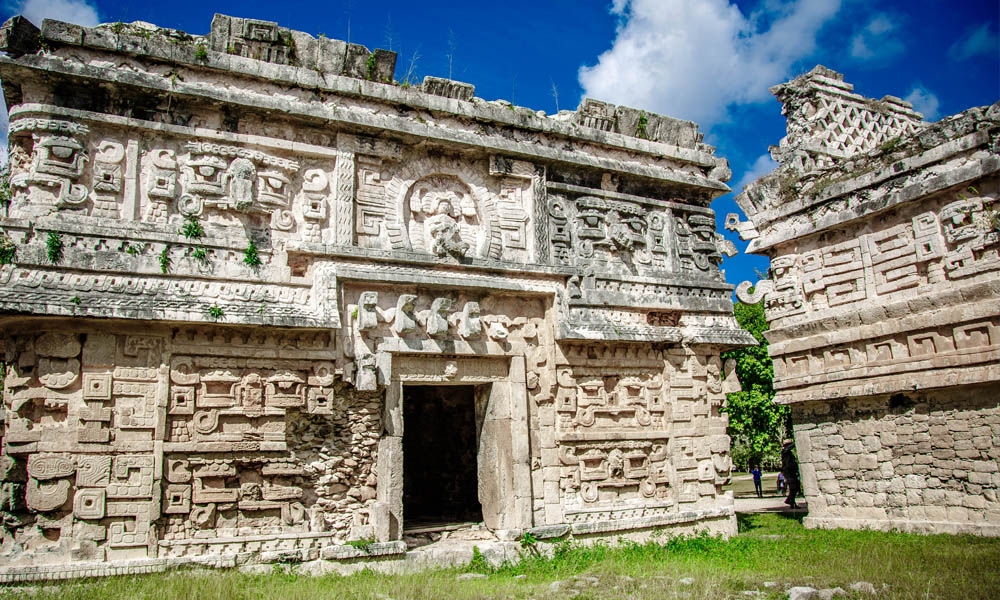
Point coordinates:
[[770, 548]]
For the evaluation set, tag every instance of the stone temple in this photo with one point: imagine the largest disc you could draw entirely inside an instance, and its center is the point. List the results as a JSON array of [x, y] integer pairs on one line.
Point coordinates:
[[884, 303], [259, 301]]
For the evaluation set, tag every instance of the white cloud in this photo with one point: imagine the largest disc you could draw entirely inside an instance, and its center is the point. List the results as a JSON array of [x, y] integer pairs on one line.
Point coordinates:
[[760, 167], [71, 11], [924, 101], [976, 41], [691, 59], [875, 41]]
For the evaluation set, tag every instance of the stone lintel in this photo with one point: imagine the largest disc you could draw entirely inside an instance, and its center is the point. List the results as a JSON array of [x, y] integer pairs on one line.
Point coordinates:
[[963, 371]]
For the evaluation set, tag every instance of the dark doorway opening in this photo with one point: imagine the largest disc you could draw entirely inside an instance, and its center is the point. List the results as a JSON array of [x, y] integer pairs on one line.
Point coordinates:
[[440, 483]]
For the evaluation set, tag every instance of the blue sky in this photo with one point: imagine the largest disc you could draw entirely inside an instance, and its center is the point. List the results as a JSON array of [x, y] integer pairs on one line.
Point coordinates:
[[710, 61]]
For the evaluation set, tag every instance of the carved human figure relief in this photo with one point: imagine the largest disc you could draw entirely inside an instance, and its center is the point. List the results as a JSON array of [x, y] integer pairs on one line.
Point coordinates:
[[444, 219], [442, 229], [242, 175]]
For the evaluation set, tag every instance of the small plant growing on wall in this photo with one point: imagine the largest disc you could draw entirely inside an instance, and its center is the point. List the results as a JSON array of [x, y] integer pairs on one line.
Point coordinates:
[[215, 311], [8, 250], [479, 564], [192, 228], [201, 52], [529, 542], [251, 258], [288, 42], [54, 247], [640, 126], [165, 259], [6, 193], [362, 544]]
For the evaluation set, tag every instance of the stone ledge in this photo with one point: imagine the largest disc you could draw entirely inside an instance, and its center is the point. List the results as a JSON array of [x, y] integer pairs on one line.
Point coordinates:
[[905, 526], [49, 292], [579, 189], [350, 87], [768, 238], [546, 532], [936, 377], [691, 516], [30, 573], [905, 315], [347, 552], [245, 539]]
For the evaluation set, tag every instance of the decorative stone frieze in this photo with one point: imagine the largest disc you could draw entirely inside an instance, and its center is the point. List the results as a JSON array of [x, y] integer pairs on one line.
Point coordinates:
[[884, 303], [244, 271]]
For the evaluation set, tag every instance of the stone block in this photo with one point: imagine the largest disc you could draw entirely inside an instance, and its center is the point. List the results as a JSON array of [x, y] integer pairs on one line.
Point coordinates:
[[871, 443], [887, 438], [448, 88], [985, 466], [868, 462], [958, 513], [935, 497], [18, 36], [829, 486], [980, 478], [89, 504], [982, 443]]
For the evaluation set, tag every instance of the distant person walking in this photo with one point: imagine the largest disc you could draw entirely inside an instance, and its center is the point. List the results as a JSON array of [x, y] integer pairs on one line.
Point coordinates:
[[790, 469], [781, 483], [756, 481]]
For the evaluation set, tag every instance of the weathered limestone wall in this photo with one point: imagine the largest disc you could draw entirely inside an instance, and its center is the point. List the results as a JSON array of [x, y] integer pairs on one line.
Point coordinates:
[[884, 303], [924, 462], [228, 258]]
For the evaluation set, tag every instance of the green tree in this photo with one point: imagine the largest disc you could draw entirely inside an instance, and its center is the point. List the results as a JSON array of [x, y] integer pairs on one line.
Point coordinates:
[[756, 424]]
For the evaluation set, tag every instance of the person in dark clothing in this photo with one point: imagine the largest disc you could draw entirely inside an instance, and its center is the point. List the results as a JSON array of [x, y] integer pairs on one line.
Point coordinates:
[[790, 469], [756, 481]]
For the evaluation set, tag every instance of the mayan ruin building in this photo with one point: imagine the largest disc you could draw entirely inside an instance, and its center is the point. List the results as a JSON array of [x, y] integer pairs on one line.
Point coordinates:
[[260, 301], [884, 302]]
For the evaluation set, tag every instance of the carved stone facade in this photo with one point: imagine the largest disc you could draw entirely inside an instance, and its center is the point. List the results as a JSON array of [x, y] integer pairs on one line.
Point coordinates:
[[884, 303], [235, 266]]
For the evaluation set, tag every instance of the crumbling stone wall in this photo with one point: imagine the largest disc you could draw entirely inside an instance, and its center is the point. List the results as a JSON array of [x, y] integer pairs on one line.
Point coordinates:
[[229, 256], [884, 303]]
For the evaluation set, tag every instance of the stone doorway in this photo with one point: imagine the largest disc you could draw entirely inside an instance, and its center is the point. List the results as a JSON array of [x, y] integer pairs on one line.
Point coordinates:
[[440, 458]]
